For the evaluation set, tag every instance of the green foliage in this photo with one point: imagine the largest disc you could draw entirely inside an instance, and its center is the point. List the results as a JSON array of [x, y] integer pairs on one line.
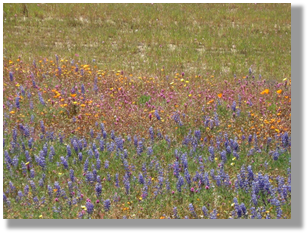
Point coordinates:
[[143, 99]]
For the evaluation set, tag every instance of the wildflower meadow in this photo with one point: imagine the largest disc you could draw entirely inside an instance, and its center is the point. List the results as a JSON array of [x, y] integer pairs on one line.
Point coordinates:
[[150, 115]]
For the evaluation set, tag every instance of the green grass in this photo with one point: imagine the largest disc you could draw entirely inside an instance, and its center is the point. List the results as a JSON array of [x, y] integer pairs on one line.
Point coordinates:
[[144, 38]]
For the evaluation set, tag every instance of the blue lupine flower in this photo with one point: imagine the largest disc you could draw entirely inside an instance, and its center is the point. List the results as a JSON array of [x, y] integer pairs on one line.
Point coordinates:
[[145, 191], [60, 138], [41, 183], [175, 212], [98, 190], [89, 177], [167, 139], [42, 127], [233, 107], [223, 156], [253, 212], [212, 155], [75, 145], [104, 134], [238, 111], [94, 174], [180, 183], [11, 76], [119, 143], [68, 150], [150, 151], [228, 149], [204, 210], [24, 168], [41, 98], [35, 199], [72, 177], [101, 144], [90, 207], [254, 199], [140, 148], [84, 143], [250, 173], [98, 164], [90, 153], [126, 166], [192, 210], [167, 185], [279, 212], [275, 155], [198, 134], [112, 136], [126, 184], [106, 164], [184, 160], [213, 214], [176, 169], [32, 184], [14, 135], [32, 174], [160, 181], [102, 127], [7, 157], [26, 190], [17, 102], [96, 154], [187, 177], [41, 161], [117, 180], [80, 156], [157, 115], [64, 162], [86, 165], [250, 139], [8, 165], [237, 207], [218, 180], [107, 205], [19, 193], [125, 153], [151, 132], [136, 141], [285, 139], [111, 146], [177, 119], [243, 208]]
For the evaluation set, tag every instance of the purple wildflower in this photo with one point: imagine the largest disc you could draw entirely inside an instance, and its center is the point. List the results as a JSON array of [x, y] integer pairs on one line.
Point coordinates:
[[107, 205]]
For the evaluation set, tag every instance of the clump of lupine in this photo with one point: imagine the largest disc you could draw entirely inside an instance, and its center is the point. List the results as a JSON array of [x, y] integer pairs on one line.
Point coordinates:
[[143, 147]]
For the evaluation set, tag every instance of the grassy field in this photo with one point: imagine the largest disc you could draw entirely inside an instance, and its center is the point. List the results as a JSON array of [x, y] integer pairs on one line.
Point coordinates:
[[220, 39], [147, 111]]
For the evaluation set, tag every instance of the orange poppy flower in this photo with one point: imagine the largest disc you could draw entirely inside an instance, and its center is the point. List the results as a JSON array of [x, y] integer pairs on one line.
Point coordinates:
[[266, 91], [219, 95], [211, 101]]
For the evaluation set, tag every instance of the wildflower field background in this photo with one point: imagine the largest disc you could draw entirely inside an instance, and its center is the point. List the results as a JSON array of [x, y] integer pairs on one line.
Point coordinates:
[[147, 111]]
